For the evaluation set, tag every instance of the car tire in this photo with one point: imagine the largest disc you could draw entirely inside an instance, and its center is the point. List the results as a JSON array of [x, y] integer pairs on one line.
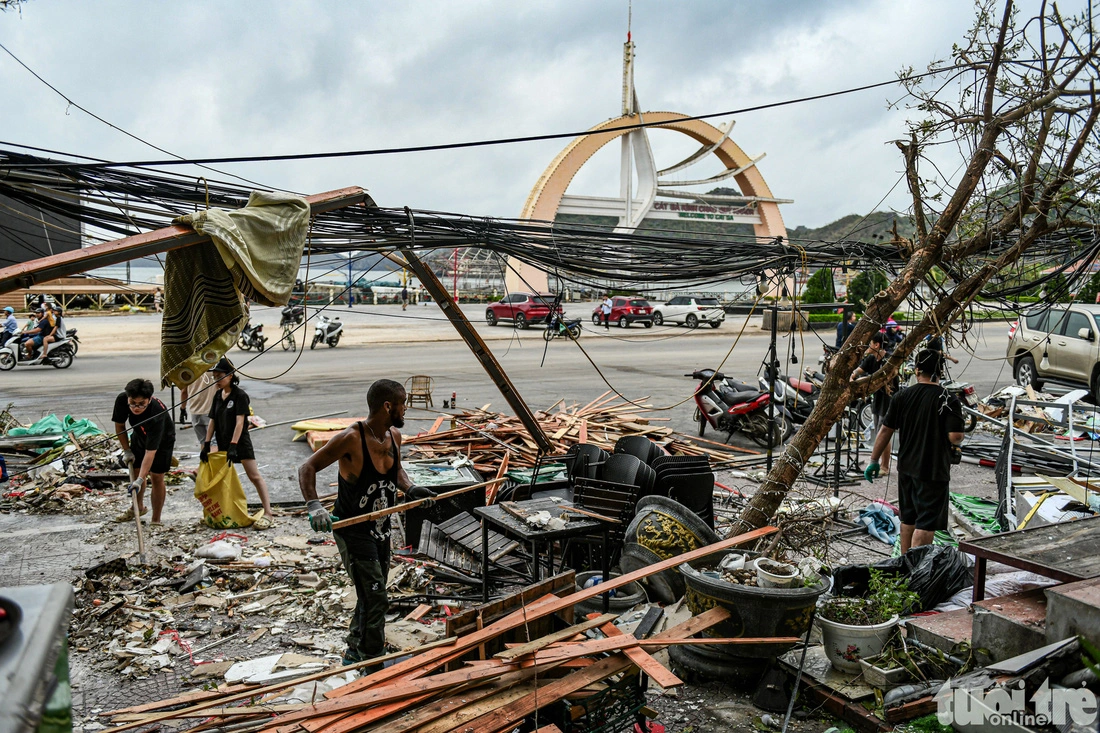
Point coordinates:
[[596, 320], [715, 324], [658, 319], [623, 323], [490, 317], [1096, 387], [1025, 372], [692, 321], [648, 324], [521, 321]]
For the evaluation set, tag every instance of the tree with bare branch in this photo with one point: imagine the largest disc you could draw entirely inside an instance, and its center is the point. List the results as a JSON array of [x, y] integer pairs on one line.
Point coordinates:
[[1015, 108]]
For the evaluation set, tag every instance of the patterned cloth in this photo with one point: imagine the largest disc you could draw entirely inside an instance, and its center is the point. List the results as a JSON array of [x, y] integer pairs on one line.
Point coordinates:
[[254, 255]]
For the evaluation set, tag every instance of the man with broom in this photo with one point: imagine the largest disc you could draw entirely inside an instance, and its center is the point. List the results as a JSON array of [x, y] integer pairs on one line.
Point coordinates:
[[369, 457]]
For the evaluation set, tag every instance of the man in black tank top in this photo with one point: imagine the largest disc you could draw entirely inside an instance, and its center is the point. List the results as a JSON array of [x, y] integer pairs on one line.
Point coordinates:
[[369, 458]]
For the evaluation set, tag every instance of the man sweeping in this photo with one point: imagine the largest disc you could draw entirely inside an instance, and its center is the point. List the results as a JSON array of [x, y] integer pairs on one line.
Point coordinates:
[[370, 474]]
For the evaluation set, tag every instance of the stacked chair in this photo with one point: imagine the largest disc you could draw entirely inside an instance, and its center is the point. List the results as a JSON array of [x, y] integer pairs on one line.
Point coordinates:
[[689, 481]]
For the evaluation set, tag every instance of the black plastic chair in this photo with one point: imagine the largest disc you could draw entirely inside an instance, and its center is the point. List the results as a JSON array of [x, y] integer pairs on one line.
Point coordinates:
[[694, 490], [584, 460], [640, 446], [623, 468]]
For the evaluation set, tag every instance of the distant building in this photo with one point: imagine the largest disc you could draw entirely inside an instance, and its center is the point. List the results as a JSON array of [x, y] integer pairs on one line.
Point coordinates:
[[27, 233]]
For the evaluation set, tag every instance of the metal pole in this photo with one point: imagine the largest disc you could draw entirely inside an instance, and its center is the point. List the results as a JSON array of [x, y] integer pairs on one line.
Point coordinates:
[[836, 459], [772, 371], [349, 280]]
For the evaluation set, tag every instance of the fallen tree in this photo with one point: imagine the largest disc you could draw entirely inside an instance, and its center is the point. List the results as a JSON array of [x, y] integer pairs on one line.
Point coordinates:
[[1023, 118]]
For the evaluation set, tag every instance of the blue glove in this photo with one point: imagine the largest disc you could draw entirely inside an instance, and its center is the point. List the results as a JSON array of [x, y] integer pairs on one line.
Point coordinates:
[[319, 518], [871, 472]]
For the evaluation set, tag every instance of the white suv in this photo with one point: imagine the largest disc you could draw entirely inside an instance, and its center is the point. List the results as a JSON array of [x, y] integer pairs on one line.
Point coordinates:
[[691, 310]]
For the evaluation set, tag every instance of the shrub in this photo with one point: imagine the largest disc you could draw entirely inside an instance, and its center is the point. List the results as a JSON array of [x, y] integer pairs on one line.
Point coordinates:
[[819, 288]]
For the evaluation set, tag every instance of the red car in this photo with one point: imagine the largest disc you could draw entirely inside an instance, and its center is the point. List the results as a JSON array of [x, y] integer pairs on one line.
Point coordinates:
[[522, 309], [626, 310]]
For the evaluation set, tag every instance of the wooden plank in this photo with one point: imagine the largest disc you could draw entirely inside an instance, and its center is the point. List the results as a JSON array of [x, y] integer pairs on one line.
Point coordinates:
[[280, 685], [370, 516], [582, 678], [462, 622], [418, 613], [656, 671], [422, 664], [435, 425], [545, 641]]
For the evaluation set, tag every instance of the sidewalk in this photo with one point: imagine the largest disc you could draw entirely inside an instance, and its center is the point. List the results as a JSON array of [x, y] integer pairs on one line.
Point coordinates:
[[375, 324]]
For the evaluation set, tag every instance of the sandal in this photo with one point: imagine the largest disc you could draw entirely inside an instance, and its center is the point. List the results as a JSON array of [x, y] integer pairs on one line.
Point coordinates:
[[128, 515], [263, 522]]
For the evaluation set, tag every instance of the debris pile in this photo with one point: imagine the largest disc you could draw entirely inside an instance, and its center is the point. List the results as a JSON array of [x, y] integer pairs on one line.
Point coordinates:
[[487, 437]]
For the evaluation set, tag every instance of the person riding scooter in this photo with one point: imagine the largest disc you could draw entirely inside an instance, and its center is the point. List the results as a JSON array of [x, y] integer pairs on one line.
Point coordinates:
[[9, 326], [35, 337]]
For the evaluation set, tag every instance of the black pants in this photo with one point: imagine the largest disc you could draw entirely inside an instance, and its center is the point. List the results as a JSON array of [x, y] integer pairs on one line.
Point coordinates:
[[367, 631]]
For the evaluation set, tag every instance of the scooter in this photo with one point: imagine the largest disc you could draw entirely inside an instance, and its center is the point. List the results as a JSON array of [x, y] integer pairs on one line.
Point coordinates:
[[252, 337], [967, 397], [558, 326], [798, 396], [74, 340], [328, 331], [733, 406], [58, 354]]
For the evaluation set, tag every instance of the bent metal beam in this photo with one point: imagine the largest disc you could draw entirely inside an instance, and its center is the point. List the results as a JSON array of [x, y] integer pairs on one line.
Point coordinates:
[[118, 251]]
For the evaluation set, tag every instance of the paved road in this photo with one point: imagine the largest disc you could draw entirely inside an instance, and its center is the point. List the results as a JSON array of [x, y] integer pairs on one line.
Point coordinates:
[[287, 385]]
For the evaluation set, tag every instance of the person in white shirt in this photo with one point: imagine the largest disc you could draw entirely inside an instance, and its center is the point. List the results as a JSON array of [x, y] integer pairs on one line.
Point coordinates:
[[605, 308]]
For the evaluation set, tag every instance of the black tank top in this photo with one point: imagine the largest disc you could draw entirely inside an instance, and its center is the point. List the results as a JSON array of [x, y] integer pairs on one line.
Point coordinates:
[[372, 491]]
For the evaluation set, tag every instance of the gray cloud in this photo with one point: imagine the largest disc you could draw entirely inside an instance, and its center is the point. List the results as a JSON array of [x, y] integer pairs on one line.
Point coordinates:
[[222, 79]]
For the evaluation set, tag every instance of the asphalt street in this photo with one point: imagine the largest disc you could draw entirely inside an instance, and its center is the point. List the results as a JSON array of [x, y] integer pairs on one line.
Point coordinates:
[[647, 364]]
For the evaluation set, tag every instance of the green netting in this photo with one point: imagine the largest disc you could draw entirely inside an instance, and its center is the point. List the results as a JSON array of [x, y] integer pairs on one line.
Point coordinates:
[[981, 512]]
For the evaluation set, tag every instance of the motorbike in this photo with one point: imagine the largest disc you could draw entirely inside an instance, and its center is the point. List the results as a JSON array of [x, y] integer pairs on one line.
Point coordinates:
[[557, 326], [58, 354], [328, 331], [252, 337], [967, 397], [74, 340], [797, 395], [733, 406]]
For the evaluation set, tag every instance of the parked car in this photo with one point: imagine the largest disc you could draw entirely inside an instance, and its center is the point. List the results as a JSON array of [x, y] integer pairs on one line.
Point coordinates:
[[626, 310], [522, 309], [1068, 337], [691, 310]]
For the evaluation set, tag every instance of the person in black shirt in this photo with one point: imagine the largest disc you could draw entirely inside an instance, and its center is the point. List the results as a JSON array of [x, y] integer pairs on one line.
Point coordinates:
[[880, 399], [929, 421], [148, 447], [370, 474], [229, 423]]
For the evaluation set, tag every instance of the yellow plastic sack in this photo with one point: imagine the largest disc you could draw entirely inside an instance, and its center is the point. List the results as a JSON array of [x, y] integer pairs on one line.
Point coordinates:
[[219, 490]]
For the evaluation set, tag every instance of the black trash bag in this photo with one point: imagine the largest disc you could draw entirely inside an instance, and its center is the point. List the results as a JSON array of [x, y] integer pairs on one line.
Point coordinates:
[[935, 572]]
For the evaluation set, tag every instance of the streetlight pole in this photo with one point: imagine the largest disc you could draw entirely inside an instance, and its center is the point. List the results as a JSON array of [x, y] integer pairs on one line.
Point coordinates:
[[350, 254]]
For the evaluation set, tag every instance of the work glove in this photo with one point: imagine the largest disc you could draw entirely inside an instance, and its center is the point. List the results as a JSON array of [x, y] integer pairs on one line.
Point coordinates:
[[128, 457], [416, 493], [871, 472], [135, 486], [319, 518], [204, 454], [231, 453], [183, 416]]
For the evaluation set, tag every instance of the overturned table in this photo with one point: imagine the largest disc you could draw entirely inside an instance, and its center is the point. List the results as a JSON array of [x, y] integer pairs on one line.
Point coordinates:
[[1067, 552], [577, 526]]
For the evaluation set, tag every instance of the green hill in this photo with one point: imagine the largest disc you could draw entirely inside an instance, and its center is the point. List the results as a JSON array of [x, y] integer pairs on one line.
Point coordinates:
[[872, 228]]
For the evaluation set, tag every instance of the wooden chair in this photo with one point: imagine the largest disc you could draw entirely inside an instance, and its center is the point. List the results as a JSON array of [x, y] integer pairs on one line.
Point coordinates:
[[418, 388]]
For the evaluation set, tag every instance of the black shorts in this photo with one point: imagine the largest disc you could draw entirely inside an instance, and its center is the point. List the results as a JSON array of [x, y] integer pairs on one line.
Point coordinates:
[[162, 461], [923, 504], [245, 451]]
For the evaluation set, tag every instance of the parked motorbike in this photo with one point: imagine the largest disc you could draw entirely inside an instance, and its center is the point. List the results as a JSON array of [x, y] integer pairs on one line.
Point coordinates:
[[252, 337], [733, 406], [797, 395], [58, 354], [967, 397], [328, 331], [557, 326]]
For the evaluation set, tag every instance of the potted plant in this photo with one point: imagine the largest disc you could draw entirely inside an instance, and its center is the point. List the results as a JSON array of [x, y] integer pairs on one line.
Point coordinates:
[[856, 628]]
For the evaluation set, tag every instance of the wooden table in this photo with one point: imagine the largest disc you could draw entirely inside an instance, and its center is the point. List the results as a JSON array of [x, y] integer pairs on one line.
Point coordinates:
[[1067, 552], [495, 515]]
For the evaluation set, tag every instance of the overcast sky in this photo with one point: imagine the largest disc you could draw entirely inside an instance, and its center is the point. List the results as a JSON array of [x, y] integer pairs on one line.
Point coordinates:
[[247, 78]]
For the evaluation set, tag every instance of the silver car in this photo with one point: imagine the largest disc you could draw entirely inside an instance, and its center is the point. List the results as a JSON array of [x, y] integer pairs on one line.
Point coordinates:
[[690, 310], [1066, 335]]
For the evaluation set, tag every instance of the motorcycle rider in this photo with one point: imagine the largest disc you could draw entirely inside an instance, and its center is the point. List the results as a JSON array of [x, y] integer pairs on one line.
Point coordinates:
[[10, 325], [35, 337], [59, 332]]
